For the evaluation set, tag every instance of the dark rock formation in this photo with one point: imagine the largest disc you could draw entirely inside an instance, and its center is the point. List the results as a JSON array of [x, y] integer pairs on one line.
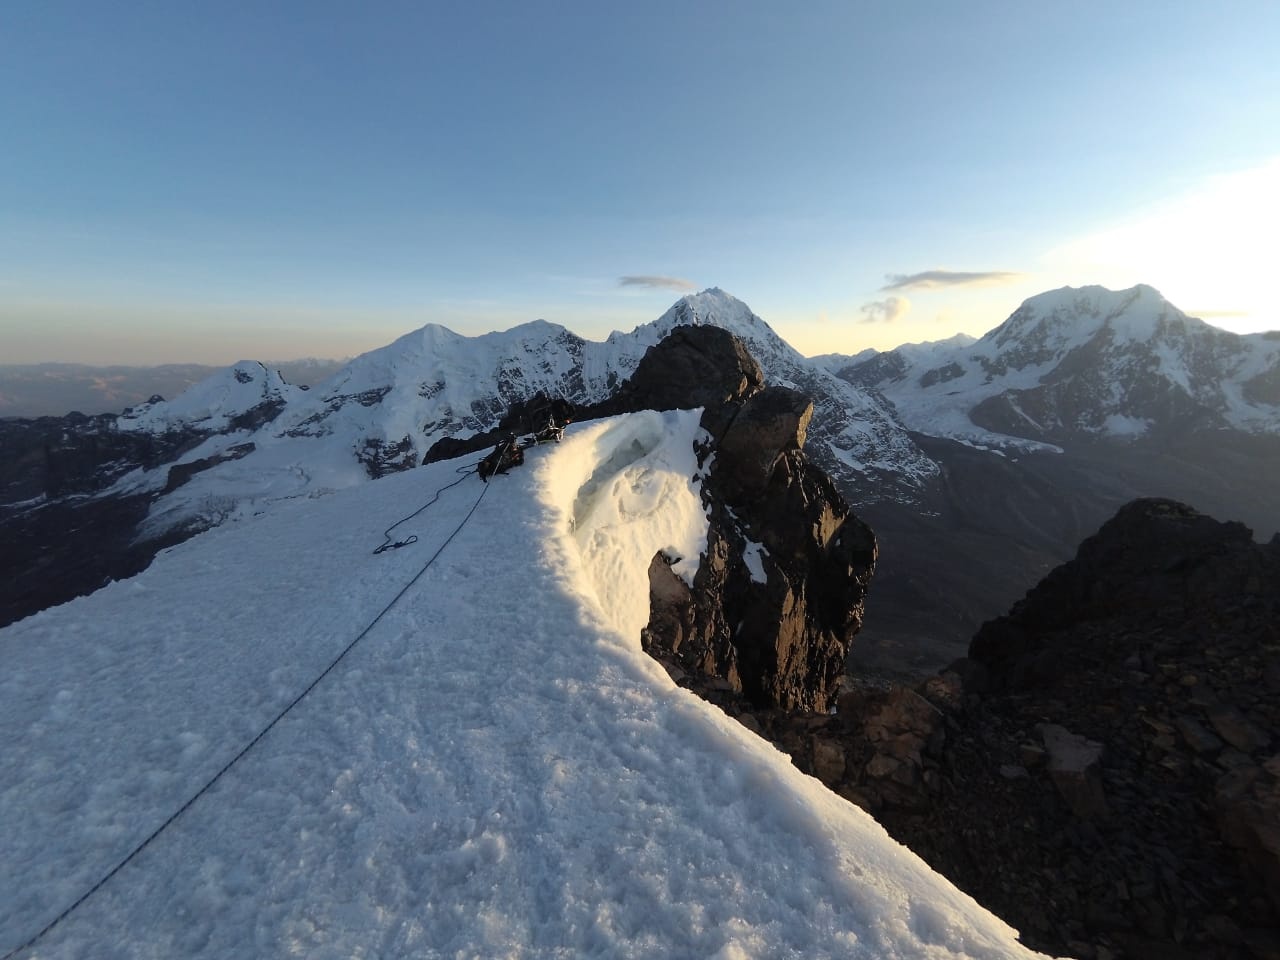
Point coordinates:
[[51, 457], [691, 367], [1109, 779], [1104, 771], [1156, 560], [382, 457], [180, 473], [781, 590]]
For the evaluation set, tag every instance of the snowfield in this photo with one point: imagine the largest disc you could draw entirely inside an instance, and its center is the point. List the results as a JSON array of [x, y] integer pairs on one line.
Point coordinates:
[[495, 770]]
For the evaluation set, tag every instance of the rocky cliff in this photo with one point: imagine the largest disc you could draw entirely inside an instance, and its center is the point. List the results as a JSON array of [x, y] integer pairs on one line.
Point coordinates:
[[782, 589], [1102, 771]]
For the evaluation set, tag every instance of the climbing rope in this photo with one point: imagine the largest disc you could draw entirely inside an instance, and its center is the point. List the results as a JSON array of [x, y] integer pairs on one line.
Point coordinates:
[[265, 730], [386, 544]]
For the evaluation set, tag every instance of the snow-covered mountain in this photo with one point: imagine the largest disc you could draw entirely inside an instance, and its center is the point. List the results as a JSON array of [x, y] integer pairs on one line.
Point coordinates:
[[385, 409], [472, 757], [1081, 401], [241, 397], [1087, 362], [854, 435]]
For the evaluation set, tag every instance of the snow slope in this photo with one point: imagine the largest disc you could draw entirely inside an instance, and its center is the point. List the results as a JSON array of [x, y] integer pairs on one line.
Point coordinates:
[[495, 770]]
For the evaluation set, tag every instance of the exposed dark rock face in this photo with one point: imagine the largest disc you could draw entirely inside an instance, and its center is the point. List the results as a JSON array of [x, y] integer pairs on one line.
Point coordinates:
[[1160, 642], [691, 367], [52, 457], [781, 591], [1156, 561], [180, 473], [1108, 777], [1104, 771], [382, 457]]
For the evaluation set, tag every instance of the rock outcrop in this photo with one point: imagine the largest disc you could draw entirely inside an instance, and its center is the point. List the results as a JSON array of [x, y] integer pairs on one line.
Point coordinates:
[[781, 590], [1109, 780], [1104, 770]]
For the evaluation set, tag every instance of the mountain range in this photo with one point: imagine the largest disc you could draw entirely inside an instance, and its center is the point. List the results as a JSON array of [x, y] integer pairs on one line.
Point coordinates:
[[1081, 401], [979, 463]]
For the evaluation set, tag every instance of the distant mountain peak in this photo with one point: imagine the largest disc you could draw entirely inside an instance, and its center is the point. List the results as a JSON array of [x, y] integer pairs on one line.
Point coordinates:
[[1083, 361], [715, 307]]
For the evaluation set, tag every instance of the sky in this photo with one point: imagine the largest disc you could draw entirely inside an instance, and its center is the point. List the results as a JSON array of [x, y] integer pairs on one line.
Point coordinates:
[[214, 182]]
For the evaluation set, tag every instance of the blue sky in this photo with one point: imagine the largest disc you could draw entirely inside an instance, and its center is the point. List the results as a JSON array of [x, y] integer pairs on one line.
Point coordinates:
[[212, 181]]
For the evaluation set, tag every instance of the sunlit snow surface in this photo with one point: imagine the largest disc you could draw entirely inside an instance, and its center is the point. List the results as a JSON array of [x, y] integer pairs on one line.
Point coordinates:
[[495, 771]]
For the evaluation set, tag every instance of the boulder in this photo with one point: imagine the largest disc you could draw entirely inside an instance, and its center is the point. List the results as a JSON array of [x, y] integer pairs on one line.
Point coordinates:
[[768, 425], [1075, 768], [1237, 729], [693, 366]]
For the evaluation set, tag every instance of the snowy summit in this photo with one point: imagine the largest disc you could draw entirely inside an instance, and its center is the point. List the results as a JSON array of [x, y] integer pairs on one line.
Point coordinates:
[[494, 769]]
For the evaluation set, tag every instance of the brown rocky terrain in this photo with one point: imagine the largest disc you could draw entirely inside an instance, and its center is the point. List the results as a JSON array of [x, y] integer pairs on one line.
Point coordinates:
[[1103, 770]]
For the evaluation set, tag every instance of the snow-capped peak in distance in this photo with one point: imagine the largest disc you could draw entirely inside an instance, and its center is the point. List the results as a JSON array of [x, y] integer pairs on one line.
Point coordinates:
[[383, 410], [1083, 362], [216, 403]]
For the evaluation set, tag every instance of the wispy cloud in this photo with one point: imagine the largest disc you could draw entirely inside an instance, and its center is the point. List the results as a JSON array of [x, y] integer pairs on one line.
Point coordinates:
[[656, 283], [885, 311], [932, 279]]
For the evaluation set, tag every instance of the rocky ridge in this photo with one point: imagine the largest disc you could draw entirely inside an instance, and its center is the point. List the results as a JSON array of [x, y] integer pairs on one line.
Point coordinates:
[[1102, 771], [781, 590]]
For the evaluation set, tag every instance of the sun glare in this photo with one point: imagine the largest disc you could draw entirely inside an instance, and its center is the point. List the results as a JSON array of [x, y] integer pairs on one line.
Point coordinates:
[[1209, 251]]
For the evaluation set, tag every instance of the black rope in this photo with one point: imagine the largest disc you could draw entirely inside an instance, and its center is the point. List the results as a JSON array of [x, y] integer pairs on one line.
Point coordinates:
[[413, 538], [265, 730]]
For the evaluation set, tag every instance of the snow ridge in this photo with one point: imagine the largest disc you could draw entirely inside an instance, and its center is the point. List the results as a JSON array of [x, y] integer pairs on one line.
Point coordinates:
[[497, 769]]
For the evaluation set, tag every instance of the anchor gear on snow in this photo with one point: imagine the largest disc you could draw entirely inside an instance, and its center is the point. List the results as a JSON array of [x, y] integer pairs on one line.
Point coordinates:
[[508, 453], [546, 423]]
